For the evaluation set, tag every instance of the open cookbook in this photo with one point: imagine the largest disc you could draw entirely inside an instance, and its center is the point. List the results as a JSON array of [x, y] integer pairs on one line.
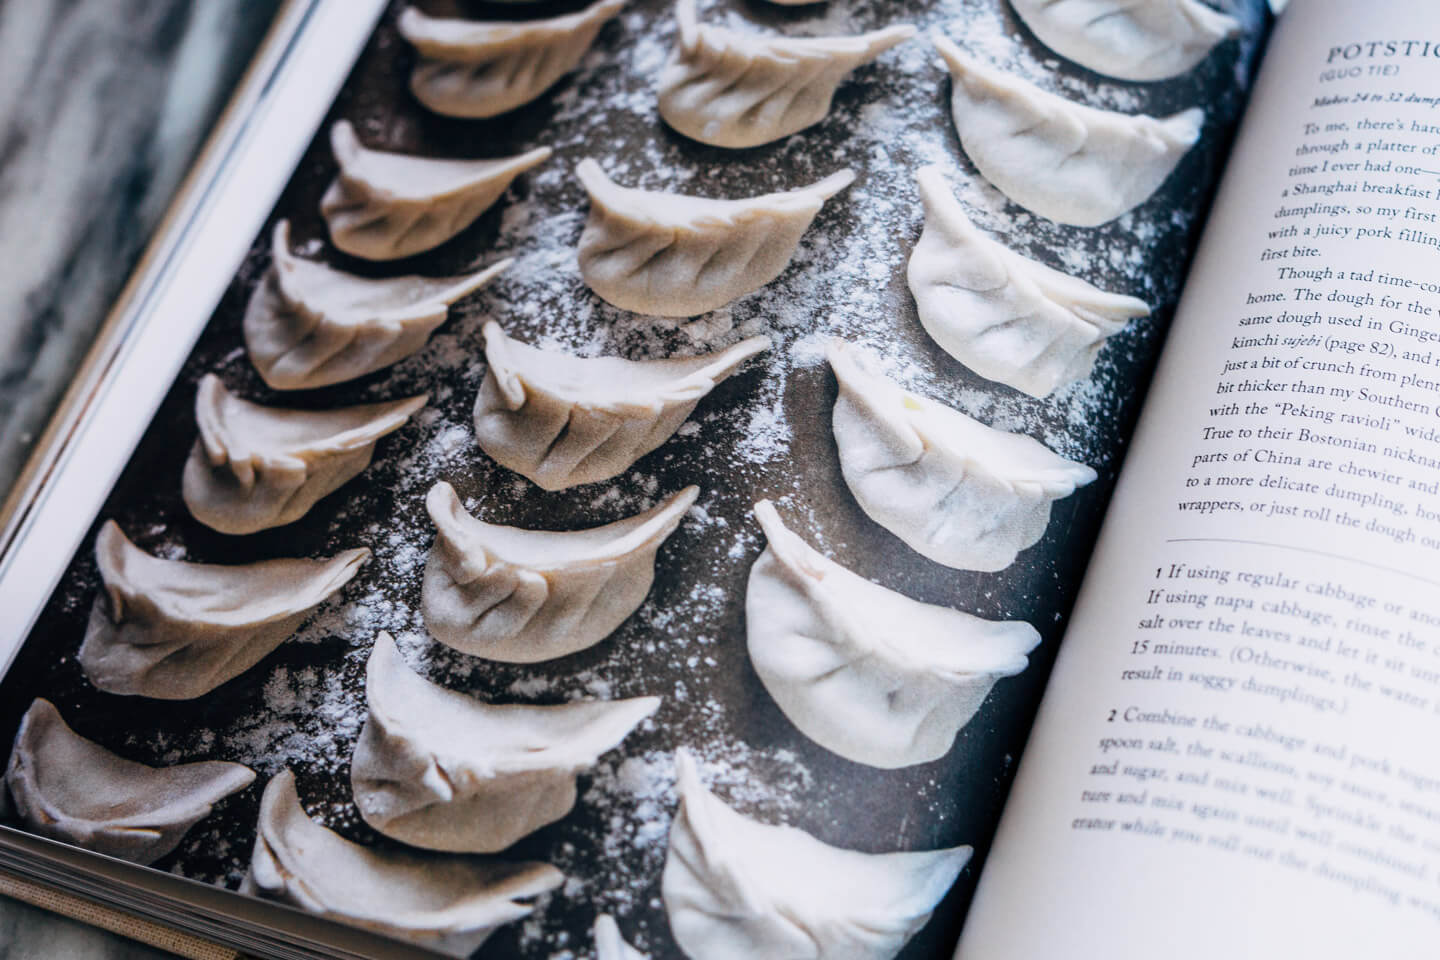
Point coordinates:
[[635, 478]]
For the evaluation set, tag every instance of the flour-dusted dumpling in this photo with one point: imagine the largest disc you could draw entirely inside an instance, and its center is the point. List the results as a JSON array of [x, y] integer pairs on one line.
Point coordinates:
[[732, 89], [863, 671], [1129, 39], [308, 325], [444, 903], [735, 889], [483, 68], [384, 206], [174, 630], [256, 467], [678, 256], [73, 790], [961, 493], [1063, 160], [443, 771], [1005, 316], [522, 596], [562, 420], [609, 945]]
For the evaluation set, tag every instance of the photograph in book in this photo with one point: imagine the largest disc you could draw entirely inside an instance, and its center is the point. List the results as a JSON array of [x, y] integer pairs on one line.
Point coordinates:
[[777, 567]]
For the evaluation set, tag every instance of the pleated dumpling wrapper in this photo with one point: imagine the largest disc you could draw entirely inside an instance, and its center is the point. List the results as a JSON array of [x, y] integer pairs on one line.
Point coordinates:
[[384, 205], [308, 325], [561, 420], [1130, 39], [441, 770], [735, 889], [256, 467], [732, 89], [1066, 161], [449, 904], [522, 596], [483, 68], [673, 255], [866, 672], [173, 630], [73, 790], [609, 945], [961, 493], [1005, 316]]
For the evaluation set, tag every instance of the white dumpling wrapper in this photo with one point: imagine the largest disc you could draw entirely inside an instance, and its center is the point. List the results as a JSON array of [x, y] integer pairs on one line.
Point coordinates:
[[1130, 39], [1003, 315], [866, 672], [561, 420], [444, 903], [441, 770], [71, 789], [735, 889], [483, 68], [672, 255], [961, 493], [256, 467], [1069, 162], [522, 596], [174, 630], [308, 325], [385, 205], [732, 89], [609, 945]]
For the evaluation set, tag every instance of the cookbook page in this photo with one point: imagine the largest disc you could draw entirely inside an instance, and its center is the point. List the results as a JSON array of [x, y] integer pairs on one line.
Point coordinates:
[[1235, 756]]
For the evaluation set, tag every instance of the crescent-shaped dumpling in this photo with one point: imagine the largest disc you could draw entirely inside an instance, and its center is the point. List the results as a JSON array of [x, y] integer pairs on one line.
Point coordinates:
[[673, 255], [609, 945], [308, 325], [522, 596], [1003, 315], [562, 420], [174, 630], [443, 771], [731, 89], [1129, 39], [961, 493], [384, 206], [449, 904], [256, 467], [863, 671], [73, 790], [735, 889], [483, 68], [1063, 160]]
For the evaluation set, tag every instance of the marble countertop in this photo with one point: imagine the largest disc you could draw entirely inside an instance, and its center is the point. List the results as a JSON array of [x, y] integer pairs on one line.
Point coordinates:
[[103, 106]]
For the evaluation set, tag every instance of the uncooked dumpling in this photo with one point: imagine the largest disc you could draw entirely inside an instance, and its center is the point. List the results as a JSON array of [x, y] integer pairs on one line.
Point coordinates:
[[70, 789], [443, 771], [562, 420], [1063, 160], [735, 889], [483, 68], [1005, 316], [678, 256], [308, 325], [863, 671], [732, 89], [522, 596], [609, 945], [256, 467], [1129, 39], [449, 904], [383, 206], [175, 630], [959, 492]]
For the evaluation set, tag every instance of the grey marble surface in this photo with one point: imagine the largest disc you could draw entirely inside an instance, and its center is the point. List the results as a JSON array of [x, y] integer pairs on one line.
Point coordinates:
[[103, 105]]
